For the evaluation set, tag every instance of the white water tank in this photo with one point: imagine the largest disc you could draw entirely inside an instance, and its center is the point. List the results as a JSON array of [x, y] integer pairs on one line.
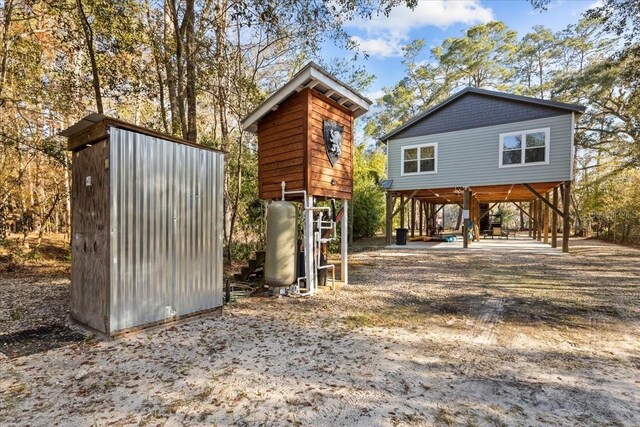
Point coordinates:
[[282, 240]]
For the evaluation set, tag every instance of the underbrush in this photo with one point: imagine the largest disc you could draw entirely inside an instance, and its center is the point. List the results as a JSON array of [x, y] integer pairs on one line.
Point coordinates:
[[51, 257]]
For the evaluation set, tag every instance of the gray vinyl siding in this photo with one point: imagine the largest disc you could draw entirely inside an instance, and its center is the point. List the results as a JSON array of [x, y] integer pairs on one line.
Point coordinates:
[[475, 110], [471, 157]]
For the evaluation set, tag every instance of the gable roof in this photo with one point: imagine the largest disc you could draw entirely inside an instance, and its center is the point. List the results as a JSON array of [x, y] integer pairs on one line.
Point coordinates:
[[315, 77], [576, 108]]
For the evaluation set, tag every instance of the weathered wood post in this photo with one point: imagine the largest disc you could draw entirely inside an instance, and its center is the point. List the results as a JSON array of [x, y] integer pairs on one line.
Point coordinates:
[[344, 243], [413, 217], [566, 220], [476, 220], [530, 226], [389, 224], [545, 222], [465, 217], [534, 219], [421, 212], [540, 220], [554, 220]]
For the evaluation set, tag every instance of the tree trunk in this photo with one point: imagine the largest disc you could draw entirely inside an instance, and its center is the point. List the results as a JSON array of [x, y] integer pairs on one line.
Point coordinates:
[[169, 70], [157, 59], [189, 16], [88, 35], [8, 11], [178, 32], [521, 220], [236, 201], [67, 189]]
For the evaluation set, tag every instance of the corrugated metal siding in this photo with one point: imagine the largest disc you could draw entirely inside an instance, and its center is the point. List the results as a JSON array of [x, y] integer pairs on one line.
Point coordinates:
[[166, 229], [470, 157], [474, 110]]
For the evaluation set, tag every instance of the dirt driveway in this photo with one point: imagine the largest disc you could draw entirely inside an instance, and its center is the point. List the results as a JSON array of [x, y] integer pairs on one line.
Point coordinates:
[[419, 338]]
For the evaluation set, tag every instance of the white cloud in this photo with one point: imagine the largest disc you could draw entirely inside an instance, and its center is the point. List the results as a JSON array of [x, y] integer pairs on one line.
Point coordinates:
[[385, 35], [381, 46], [375, 94], [597, 3]]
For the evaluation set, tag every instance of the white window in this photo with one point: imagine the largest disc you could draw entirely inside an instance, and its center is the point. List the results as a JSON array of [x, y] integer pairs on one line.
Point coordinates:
[[527, 147], [420, 159]]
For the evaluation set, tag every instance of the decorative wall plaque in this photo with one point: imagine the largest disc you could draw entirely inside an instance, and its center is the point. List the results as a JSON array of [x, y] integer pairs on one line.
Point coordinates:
[[333, 133]]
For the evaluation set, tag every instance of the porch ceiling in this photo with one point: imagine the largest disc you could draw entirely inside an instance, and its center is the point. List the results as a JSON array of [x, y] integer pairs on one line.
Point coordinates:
[[483, 193]]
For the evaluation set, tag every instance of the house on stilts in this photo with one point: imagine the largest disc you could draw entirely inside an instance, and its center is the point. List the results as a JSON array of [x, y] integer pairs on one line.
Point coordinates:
[[479, 148]]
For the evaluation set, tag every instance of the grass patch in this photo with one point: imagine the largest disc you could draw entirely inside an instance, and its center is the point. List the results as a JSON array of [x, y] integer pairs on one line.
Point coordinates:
[[444, 417], [360, 320], [16, 314]]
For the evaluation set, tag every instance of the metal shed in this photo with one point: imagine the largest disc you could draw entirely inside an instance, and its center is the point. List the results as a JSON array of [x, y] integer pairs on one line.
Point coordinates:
[[147, 226]]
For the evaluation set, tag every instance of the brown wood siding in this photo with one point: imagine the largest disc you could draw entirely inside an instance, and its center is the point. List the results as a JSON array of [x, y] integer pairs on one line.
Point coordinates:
[[281, 141], [320, 172], [90, 239]]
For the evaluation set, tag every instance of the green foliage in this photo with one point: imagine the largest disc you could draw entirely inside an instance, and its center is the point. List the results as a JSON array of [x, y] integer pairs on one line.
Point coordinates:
[[481, 57], [368, 197]]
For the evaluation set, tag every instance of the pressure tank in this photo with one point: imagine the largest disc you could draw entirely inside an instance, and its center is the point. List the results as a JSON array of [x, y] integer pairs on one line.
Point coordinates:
[[281, 250]]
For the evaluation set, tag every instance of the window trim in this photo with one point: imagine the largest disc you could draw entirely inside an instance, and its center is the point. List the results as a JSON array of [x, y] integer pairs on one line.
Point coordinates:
[[419, 146], [523, 134]]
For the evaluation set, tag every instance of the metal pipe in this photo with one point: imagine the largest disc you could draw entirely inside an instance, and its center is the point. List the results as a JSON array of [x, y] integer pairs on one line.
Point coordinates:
[[311, 264]]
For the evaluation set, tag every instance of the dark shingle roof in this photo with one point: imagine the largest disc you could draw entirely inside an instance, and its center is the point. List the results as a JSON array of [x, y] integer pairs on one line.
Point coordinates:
[[519, 98]]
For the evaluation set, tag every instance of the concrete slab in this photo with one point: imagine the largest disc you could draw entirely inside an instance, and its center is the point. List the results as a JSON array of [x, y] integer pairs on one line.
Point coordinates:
[[519, 244]]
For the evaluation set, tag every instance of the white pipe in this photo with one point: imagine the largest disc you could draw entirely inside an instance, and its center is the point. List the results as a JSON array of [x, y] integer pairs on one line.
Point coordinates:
[[320, 240], [307, 206], [344, 244], [312, 265]]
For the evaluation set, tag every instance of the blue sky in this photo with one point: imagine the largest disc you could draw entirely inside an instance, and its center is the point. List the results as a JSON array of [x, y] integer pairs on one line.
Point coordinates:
[[435, 20]]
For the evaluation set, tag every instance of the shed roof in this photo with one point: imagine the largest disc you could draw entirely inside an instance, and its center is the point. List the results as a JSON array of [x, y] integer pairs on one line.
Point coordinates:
[[576, 108], [93, 119], [315, 77]]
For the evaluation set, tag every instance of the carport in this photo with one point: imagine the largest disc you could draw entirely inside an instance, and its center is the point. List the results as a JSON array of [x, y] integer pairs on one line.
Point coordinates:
[[545, 205]]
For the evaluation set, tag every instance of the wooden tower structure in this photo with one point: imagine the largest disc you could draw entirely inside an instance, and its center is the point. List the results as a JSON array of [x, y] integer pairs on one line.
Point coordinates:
[[305, 148]]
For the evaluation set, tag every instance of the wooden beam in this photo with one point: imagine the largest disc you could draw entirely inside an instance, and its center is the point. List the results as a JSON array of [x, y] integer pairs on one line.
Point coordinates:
[[435, 213], [389, 224], [404, 202], [489, 210], [540, 220], [420, 216], [476, 220], [426, 219], [413, 217], [542, 198], [554, 220], [530, 225], [465, 221], [535, 219], [566, 217], [545, 223], [521, 209]]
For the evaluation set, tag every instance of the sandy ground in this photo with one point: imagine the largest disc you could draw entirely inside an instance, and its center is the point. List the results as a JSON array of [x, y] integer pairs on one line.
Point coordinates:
[[419, 338]]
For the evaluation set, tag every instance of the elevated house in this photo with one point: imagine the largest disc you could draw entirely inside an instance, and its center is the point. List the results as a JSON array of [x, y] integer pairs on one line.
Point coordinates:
[[482, 147]]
